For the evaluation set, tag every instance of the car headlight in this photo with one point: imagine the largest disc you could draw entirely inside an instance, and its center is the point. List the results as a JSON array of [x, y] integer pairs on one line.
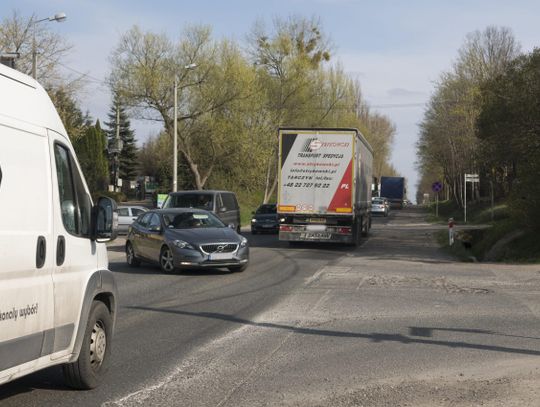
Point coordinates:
[[281, 220], [253, 220], [243, 242], [183, 245]]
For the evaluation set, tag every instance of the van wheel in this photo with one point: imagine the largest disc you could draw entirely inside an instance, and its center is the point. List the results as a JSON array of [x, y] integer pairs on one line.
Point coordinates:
[[166, 260], [131, 259], [237, 269], [88, 371]]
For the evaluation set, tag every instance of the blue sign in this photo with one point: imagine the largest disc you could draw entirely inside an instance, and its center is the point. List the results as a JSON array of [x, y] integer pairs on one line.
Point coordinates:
[[437, 186]]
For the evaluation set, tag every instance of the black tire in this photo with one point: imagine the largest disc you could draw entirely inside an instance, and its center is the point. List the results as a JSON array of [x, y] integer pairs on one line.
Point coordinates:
[[88, 370], [365, 227], [237, 269], [166, 261], [131, 259]]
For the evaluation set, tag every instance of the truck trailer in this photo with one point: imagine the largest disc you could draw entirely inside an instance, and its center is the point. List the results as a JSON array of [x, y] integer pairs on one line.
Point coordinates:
[[324, 192], [393, 188]]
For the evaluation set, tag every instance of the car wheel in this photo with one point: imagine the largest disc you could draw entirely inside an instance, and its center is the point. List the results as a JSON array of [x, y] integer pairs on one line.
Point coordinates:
[[166, 260], [237, 269], [87, 372], [131, 259]]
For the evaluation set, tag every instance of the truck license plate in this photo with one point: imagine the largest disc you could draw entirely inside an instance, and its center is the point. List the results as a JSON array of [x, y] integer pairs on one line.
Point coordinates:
[[316, 236]]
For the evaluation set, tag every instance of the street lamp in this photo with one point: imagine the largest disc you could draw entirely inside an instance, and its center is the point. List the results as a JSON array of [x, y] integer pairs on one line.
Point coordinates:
[[58, 17], [175, 129]]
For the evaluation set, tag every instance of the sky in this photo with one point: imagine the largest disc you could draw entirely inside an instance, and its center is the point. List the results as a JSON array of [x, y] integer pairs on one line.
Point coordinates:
[[396, 49]]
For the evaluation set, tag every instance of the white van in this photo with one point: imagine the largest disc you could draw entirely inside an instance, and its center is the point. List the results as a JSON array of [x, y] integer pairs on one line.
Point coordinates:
[[57, 296]]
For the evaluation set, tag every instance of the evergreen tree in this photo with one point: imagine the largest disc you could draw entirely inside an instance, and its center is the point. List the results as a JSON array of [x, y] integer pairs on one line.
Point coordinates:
[[91, 152], [128, 165]]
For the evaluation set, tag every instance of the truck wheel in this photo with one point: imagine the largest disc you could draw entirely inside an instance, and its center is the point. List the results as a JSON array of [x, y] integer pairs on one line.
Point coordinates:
[[365, 227], [88, 370], [131, 259]]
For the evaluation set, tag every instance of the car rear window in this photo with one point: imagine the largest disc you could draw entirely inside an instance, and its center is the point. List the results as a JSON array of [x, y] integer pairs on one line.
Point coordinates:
[[123, 212], [137, 211]]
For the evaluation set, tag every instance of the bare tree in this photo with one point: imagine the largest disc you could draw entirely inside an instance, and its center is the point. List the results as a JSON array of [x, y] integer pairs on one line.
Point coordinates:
[[16, 35]]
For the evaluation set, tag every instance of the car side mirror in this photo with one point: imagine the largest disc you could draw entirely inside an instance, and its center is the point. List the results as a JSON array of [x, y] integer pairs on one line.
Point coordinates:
[[104, 220]]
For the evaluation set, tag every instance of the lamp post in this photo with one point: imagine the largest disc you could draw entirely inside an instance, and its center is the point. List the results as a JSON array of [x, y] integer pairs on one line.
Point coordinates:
[[175, 129], [58, 17]]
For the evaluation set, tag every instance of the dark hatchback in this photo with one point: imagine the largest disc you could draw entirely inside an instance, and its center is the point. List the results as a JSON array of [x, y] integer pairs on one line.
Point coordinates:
[[265, 219], [185, 238]]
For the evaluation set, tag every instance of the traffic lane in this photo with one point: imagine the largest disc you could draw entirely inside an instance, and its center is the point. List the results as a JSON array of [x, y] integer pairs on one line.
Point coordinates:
[[148, 342], [366, 320]]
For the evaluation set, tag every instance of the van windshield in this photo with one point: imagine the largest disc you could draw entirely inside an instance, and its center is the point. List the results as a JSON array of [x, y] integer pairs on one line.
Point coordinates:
[[195, 200]]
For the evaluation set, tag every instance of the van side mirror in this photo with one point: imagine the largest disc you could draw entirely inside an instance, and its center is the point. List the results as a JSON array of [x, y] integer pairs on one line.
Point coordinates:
[[104, 220], [223, 209]]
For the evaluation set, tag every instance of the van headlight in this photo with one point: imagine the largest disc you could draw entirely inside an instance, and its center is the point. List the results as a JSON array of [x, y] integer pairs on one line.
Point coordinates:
[[243, 242], [253, 220], [181, 244]]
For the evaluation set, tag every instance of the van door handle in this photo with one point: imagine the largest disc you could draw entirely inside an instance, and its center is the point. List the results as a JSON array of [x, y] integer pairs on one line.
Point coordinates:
[[60, 250], [41, 252]]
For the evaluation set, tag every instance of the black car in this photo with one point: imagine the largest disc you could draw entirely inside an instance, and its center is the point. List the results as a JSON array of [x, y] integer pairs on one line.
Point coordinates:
[[185, 238], [265, 219]]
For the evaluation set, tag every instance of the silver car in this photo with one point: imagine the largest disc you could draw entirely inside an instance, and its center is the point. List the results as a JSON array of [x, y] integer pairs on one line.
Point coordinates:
[[379, 206], [127, 215], [185, 238]]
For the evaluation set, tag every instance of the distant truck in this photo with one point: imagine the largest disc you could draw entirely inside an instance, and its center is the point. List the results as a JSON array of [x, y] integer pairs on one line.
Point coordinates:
[[324, 192], [393, 188]]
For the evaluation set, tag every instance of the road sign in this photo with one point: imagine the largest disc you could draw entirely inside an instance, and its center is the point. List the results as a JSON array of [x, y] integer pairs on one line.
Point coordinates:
[[437, 186], [472, 178]]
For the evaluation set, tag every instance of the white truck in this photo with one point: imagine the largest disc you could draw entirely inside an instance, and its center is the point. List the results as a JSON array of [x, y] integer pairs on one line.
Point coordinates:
[[57, 297], [324, 192]]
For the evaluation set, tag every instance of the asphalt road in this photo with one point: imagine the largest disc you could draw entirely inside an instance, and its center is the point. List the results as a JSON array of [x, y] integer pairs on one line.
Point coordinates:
[[393, 322]]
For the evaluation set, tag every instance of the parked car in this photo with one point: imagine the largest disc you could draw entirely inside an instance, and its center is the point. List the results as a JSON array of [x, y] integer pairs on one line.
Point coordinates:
[[265, 219], [223, 204], [185, 238], [379, 206], [57, 297], [127, 215]]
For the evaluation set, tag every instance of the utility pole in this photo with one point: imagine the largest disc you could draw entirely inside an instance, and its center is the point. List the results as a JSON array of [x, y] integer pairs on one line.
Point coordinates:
[[175, 136], [117, 149]]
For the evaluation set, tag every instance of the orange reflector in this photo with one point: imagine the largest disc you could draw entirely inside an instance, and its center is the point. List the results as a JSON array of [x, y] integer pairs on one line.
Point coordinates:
[[344, 210], [286, 208]]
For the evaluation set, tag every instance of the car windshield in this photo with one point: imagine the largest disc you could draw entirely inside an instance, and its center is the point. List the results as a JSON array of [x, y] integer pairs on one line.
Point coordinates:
[[195, 200], [264, 209], [191, 220]]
